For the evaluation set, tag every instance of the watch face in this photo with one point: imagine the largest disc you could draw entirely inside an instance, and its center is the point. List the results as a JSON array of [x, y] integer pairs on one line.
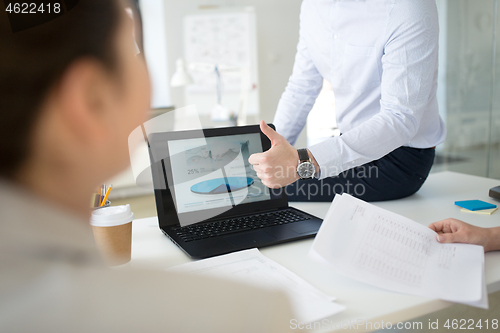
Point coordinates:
[[305, 170]]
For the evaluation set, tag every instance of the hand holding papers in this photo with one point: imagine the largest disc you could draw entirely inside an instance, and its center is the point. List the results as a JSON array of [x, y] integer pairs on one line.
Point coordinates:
[[389, 251], [251, 267]]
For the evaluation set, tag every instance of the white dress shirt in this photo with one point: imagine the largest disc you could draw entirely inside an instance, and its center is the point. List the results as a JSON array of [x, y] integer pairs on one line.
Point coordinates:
[[381, 57], [52, 280]]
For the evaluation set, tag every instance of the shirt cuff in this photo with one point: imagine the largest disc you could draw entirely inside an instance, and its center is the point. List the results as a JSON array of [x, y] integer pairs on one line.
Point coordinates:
[[327, 154]]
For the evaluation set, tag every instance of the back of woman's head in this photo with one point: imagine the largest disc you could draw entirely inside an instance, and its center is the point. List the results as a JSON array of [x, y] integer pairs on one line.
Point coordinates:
[[33, 60]]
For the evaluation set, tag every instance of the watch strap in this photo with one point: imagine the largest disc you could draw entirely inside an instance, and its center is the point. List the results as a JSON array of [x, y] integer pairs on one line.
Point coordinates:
[[303, 154]]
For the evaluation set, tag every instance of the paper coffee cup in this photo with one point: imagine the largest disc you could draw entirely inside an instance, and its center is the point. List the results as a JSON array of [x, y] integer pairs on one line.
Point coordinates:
[[112, 227]]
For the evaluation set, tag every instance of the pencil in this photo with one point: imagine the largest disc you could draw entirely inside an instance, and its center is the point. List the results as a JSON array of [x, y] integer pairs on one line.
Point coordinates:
[[106, 196]]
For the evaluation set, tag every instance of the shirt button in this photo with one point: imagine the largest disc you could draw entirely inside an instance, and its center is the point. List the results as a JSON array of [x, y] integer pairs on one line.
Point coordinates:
[[335, 36]]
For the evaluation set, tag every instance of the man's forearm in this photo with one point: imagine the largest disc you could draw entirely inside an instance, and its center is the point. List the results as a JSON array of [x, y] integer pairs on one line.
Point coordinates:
[[493, 239]]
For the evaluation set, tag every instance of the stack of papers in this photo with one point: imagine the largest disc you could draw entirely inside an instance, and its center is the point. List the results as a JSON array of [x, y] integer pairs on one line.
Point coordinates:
[[389, 251], [476, 206], [251, 267]]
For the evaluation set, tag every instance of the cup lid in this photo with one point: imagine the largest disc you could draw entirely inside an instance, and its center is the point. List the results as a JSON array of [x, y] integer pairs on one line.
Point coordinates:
[[111, 216]]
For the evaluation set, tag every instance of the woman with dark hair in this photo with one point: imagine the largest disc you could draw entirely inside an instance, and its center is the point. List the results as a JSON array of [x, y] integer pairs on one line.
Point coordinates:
[[71, 91]]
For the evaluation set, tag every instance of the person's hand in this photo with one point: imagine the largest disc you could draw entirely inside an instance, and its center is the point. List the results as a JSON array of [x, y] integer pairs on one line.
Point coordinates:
[[456, 231], [276, 167]]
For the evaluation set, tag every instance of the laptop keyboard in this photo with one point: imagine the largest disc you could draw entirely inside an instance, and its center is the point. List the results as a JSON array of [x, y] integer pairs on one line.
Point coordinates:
[[218, 228]]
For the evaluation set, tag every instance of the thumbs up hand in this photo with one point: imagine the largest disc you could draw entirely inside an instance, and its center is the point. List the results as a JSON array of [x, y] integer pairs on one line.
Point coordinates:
[[276, 167]]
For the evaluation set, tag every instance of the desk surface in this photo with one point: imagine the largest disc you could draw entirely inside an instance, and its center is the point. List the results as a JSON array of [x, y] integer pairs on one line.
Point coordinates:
[[435, 201]]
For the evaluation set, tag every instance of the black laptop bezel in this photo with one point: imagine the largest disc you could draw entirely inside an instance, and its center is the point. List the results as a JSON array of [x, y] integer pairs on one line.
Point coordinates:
[[161, 169]]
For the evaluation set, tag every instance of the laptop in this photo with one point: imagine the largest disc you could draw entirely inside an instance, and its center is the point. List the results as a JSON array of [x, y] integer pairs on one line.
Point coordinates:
[[210, 200]]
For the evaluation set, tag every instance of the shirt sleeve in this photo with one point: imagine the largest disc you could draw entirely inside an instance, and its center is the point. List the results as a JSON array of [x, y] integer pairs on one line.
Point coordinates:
[[409, 66], [304, 85]]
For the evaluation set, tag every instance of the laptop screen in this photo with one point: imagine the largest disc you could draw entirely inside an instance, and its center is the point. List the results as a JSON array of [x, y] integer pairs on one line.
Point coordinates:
[[214, 172], [207, 174]]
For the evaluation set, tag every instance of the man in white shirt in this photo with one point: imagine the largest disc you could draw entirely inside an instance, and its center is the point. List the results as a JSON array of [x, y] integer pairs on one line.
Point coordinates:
[[381, 57]]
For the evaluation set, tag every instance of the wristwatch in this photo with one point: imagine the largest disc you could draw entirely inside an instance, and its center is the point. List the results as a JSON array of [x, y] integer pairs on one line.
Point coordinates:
[[305, 169]]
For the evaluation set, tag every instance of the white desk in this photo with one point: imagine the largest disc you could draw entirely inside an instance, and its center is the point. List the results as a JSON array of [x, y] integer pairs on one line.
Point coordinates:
[[435, 201]]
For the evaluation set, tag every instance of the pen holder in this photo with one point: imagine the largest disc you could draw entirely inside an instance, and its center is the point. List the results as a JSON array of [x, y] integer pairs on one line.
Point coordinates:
[[96, 201], [107, 204]]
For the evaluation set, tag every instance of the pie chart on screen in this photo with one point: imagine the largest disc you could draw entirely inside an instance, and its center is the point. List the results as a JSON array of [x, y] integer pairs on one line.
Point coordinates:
[[221, 185]]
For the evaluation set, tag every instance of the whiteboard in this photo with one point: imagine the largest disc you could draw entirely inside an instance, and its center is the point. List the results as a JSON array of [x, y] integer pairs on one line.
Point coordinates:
[[223, 38]]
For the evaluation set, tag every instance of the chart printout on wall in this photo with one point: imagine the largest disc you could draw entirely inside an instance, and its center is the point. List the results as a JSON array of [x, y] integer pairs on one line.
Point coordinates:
[[224, 39]]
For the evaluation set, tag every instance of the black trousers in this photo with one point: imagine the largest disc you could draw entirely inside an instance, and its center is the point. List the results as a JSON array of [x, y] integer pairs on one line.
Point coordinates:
[[399, 174]]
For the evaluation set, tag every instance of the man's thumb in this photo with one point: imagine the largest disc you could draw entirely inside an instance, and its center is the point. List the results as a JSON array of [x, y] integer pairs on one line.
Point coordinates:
[[269, 132], [455, 237]]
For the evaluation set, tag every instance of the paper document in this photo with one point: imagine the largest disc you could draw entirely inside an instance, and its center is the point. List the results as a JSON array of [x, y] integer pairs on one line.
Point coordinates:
[[389, 251], [251, 267]]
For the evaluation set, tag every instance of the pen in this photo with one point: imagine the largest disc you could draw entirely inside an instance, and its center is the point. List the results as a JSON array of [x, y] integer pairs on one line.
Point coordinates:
[[106, 196]]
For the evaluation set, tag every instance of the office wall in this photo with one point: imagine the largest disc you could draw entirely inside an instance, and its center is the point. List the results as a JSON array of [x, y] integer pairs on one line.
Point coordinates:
[[277, 36], [469, 47], [469, 90], [493, 170]]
